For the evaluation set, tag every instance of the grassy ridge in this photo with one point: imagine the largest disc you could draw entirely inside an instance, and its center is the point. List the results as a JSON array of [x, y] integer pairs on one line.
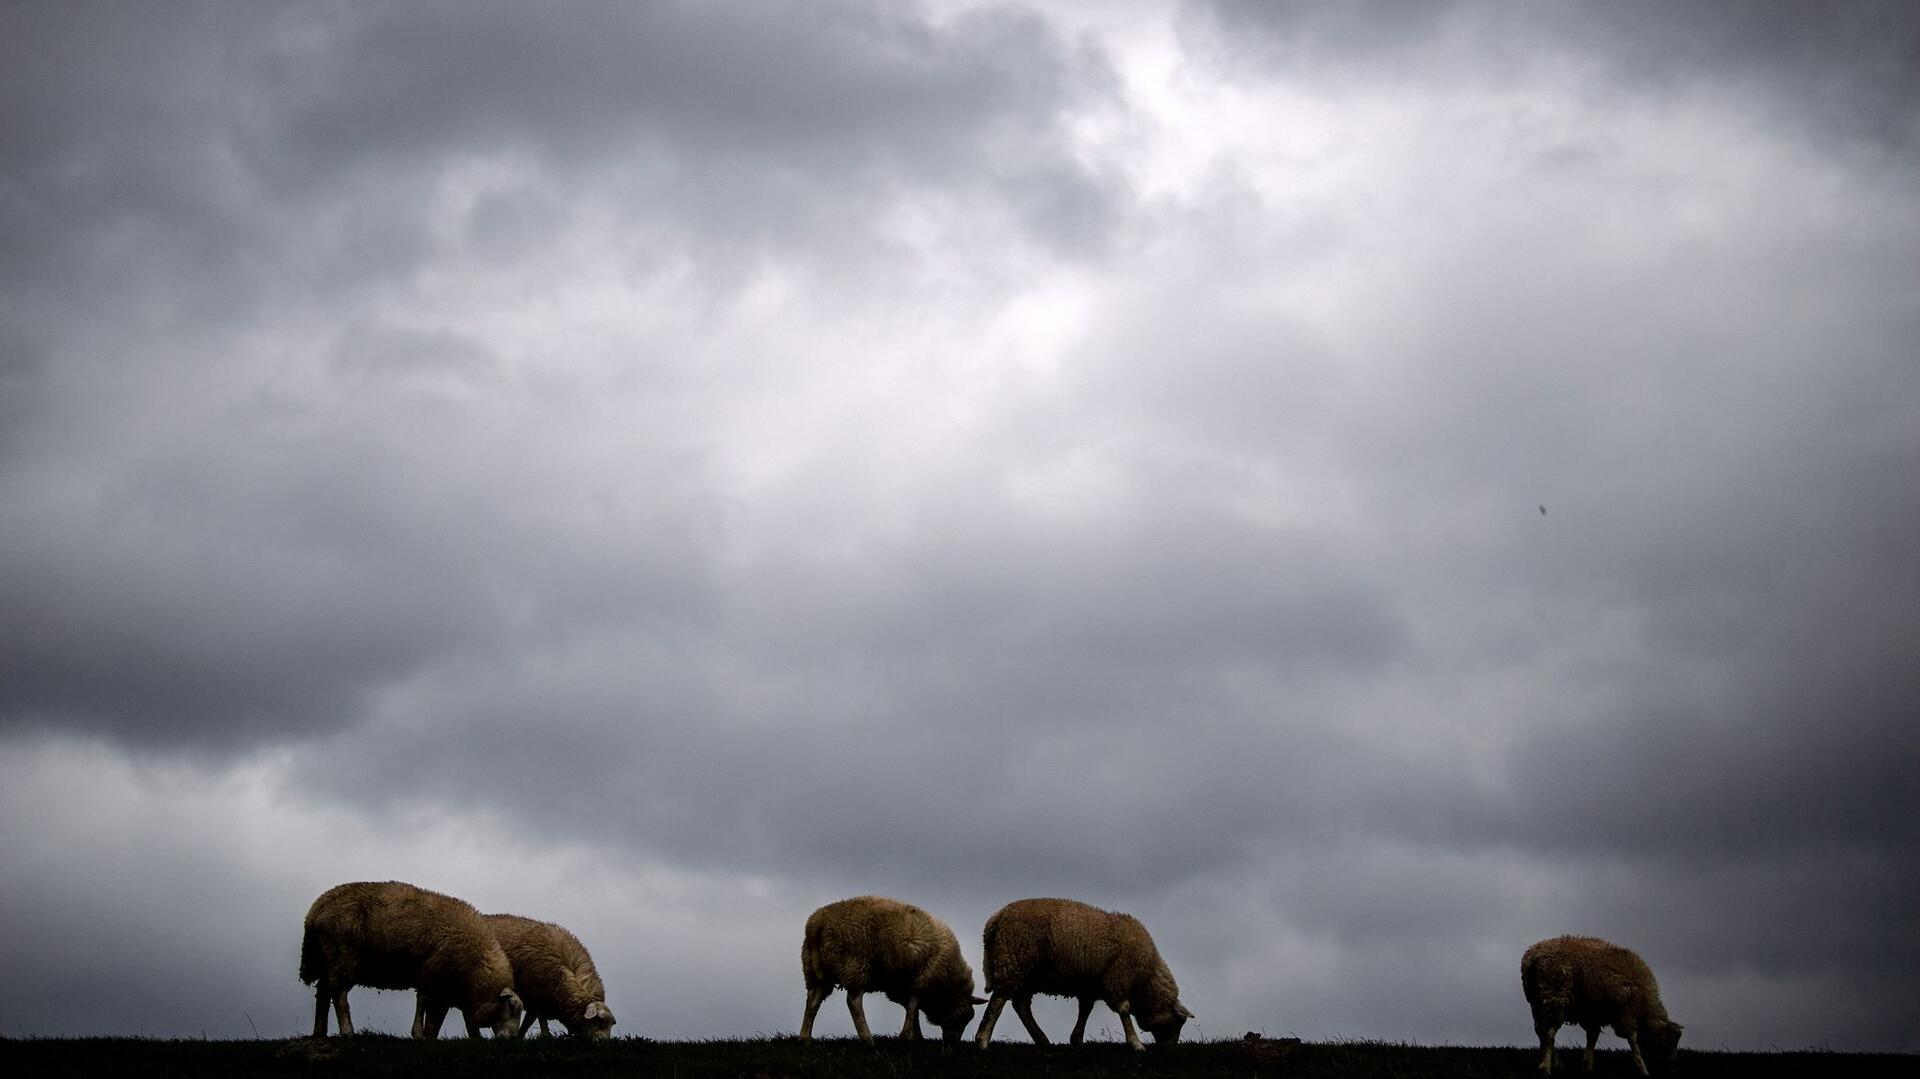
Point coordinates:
[[786, 1058]]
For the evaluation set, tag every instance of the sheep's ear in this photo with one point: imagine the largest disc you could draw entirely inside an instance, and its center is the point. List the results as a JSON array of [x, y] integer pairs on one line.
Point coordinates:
[[593, 1010], [1182, 1009]]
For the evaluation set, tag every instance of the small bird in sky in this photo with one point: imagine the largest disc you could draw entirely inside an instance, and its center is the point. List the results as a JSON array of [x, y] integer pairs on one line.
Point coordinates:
[[1543, 511]]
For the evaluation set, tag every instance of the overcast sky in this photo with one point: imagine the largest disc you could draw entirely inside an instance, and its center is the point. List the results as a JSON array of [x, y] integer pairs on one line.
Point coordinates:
[[1363, 488]]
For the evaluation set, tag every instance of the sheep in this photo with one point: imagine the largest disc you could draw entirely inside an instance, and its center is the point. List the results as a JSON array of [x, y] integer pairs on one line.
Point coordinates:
[[1066, 948], [554, 975], [390, 935], [1588, 981], [872, 943]]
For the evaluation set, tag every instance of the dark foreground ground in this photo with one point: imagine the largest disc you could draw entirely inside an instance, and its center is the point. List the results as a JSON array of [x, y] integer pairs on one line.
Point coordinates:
[[786, 1058]]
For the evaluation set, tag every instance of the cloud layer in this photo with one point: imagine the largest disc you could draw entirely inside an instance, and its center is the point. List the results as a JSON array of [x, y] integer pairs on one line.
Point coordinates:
[[1363, 492]]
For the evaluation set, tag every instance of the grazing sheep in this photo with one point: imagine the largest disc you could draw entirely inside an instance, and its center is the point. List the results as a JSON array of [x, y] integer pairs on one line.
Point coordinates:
[[554, 975], [1587, 981], [874, 944], [1068, 949], [391, 935]]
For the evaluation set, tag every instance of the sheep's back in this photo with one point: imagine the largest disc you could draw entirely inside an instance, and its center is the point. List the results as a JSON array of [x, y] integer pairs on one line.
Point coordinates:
[[841, 939], [1591, 977], [550, 966], [1056, 946], [872, 942], [907, 938], [398, 936]]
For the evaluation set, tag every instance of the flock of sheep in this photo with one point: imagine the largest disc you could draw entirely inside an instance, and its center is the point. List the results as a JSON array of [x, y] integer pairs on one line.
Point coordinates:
[[389, 935], [504, 971]]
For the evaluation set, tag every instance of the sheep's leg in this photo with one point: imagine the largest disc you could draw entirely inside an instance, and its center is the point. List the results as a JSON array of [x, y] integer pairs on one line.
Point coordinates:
[[1133, 1036], [473, 1025], [544, 1032], [1080, 1024], [910, 1030], [1546, 1030], [815, 994], [527, 1021], [994, 1007], [859, 1012], [1023, 1007], [342, 1015], [321, 998], [1633, 1043], [427, 1017], [1586, 1060]]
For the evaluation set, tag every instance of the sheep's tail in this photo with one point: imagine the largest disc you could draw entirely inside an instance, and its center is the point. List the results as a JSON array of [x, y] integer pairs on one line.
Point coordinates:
[[990, 951], [1530, 977], [310, 961], [811, 948]]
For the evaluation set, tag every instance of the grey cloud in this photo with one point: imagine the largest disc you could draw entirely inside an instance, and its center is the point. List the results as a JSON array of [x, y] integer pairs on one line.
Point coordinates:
[[540, 423], [1331, 36], [206, 161], [754, 122], [265, 577], [1752, 760], [1779, 611], [948, 712], [164, 630], [194, 177], [1843, 74], [376, 351], [119, 168], [781, 81], [183, 969]]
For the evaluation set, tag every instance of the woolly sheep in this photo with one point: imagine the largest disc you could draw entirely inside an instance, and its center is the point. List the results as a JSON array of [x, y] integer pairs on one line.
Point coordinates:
[[554, 975], [874, 944], [1070, 949], [1588, 981], [390, 935]]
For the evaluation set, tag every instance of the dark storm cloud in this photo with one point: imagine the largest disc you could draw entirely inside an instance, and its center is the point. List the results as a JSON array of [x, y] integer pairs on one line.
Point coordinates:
[[250, 563], [121, 196], [1753, 546], [1843, 73], [198, 182], [219, 149], [848, 88], [1723, 433], [765, 454], [150, 966], [993, 672], [738, 118]]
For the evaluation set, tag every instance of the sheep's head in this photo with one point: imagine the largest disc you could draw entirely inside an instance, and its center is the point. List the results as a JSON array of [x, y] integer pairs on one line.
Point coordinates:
[[596, 1022], [1659, 1043], [952, 1015], [502, 1013], [1164, 1022]]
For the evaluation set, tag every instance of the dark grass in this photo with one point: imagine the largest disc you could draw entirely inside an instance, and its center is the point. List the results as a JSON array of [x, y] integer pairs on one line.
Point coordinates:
[[786, 1058]]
